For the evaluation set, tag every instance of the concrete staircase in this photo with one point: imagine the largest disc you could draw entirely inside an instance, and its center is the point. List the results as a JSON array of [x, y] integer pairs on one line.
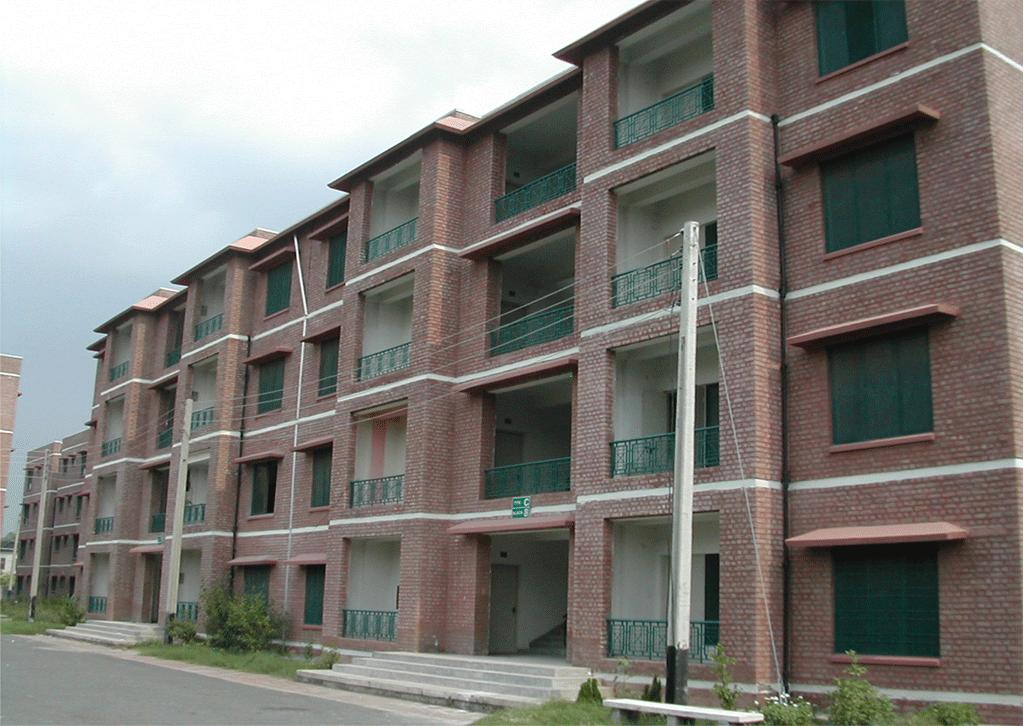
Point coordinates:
[[474, 683], [110, 632]]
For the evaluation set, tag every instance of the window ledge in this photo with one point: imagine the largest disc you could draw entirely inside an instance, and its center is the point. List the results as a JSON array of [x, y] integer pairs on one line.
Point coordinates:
[[864, 61], [327, 397], [321, 508], [895, 660], [312, 627], [335, 286], [908, 234], [251, 517], [879, 443], [282, 311]]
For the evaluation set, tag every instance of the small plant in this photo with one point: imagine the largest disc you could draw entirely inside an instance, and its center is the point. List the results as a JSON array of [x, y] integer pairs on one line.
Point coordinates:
[[239, 623], [785, 710], [653, 691], [69, 611], [326, 660], [619, 688], [182, 631], [308, 652], [589, 692], [947, 714], [725, 687], [856, 702]]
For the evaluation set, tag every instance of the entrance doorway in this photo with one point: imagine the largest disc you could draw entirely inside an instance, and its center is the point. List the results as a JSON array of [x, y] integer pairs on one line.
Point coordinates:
[[151, 588]]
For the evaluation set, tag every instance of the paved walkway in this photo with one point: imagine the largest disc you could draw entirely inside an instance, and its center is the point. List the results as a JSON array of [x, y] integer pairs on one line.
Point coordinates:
[[49, 681]]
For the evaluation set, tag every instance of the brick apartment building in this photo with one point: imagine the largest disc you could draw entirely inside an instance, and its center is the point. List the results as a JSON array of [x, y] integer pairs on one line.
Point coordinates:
[[10, 383], [489, 312]]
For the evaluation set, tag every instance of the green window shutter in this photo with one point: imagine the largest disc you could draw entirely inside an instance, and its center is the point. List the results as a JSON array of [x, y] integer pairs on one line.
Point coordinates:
[[870, 193], [328, 381], [830, 17], [315, 575], [890, 18], [279, 288], [336, 250], [321, 491], [851, 30], [257, 582], [887, 600], [271, 390], [881, 387], [711, 568], [264, 487]]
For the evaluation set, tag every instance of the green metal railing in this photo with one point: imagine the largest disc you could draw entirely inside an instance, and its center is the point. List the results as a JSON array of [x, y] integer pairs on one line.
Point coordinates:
[[97, 604], [535, 477], [386, 490], [103, 525], [385, 361], [195, 513], [533, 329], [163, 439], [119, 370], [172, 357], [656, 279], [646, 639], [653, 454], [401, 236], [187, 611], [209, 326], [682, 106], [202, 418], [369, 624], [157, 522], [110, 447], [543, 189]]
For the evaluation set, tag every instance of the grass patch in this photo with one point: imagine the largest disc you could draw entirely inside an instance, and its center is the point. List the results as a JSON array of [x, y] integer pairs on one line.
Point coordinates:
[[265, 662], [10, 626], [15, 620], [555, 713]]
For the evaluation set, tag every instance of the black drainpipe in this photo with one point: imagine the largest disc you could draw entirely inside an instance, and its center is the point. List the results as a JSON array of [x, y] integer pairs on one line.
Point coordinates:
[[238, 471], [780, 224]]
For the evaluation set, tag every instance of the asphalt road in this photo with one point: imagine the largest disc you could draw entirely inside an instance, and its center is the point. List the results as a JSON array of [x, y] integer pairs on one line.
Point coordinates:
[[44, 680]]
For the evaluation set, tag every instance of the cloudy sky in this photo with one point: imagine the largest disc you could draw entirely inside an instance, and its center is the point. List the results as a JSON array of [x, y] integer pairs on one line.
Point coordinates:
[[138, 137]]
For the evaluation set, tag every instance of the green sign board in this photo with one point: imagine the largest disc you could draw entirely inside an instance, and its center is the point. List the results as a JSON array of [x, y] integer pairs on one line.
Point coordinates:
[[520, 507], [159, 539]]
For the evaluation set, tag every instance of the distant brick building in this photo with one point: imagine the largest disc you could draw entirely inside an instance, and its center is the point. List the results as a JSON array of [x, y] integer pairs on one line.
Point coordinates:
[[488, 313], [10, 382]]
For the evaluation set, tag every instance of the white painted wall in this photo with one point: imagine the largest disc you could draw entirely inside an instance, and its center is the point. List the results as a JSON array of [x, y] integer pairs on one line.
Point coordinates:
[[106, 493], [198, 483], [394, 447], [373, 574], [395, 200], [189, 583], [211, 292], [387, 317], [121, 345], [114, 419], [204, 384], [543, 581], [640, 566], [99, 585]]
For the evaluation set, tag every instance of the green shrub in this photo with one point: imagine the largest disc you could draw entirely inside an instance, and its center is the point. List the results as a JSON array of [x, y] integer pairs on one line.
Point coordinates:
[[724, 688], [785, 710], [324, 661], [856, 702], [653, 691], [590, 692], [182, 631], [947, 714], [69, 612], [239, 622]]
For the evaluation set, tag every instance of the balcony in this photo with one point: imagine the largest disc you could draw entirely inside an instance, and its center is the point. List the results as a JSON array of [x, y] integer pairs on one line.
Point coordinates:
[[369, 624], [108, 448], [653, 280], [535, 477], [195, 513], [385, 361], [550, 186], [119, 371], [385, 490], [157, 522], [97, 604], [163, 439], [534, 329], [187, 611], [401, 236], [202, 418], [103, 525], [686, 104], [646, 639], [654, 454], [172, 357], [209, 326]]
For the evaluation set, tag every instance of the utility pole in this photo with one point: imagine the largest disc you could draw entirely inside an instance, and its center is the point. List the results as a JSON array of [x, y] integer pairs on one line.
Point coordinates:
[[678, 647], [37, 550], [178, 517]]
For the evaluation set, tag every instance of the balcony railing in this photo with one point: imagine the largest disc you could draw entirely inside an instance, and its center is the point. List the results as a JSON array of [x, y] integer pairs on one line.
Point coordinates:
[[195, 513], [656, 279], [533, 329], [110, 447], [401, 236], [369, 624], [97, 604], [202, 418], [157, 522], [646, 639], [535, 477], [540, 190], [172, 357], [682, 106], [118, 371], [386, 490], [384, 361], [653, 454], [209, 326], [104, 525], [187, 611], [163, 439]]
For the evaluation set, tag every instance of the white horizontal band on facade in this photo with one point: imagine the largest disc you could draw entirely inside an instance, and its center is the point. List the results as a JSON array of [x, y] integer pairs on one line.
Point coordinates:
[[286, 424], [199, 458], [122, 384], [906, 694], [444, 517], [397, 384], [99, 543], [6, 431], [525, 225], [711, 486], [279, 328], [212, 435], [400, 260], [325, 309], [200, 349], [70, 486], [10, 375], [903, 267], [282, 532], [115, 462], [70, 524], [884, 477]]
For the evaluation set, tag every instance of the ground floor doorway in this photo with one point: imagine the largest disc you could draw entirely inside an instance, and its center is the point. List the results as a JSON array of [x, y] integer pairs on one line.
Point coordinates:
[[151, 588]]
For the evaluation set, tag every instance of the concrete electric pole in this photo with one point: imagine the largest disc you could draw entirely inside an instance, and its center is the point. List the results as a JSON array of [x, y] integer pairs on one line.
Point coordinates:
[[178, 517], [37, 549]]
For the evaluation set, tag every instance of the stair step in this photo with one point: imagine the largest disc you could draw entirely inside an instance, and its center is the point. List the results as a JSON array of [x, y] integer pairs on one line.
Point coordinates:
[[481, 672], [457, 683], [491, 663], [114, 633], [69, 634]]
